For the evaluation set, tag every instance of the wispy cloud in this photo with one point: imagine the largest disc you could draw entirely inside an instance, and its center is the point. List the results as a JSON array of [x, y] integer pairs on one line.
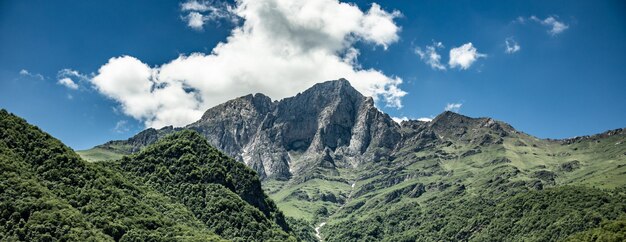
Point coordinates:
[[511, 45], [71, 78], [454, 107], [201, 12], [26, 73], [68, 82], [464, 56], [555, 26], [121, 127], [196, 6], [430, 56]]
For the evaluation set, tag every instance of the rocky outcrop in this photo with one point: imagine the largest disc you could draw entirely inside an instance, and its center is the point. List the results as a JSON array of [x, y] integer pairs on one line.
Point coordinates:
[[595, 137], [329, 126], [478, 131]]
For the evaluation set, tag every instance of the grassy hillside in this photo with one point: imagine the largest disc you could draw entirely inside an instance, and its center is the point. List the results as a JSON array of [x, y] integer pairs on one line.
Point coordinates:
[[456, 189], [116, 149], [99, 154]]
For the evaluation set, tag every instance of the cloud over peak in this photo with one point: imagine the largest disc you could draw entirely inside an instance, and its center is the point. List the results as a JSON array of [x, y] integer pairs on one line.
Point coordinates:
[[282, 47], [454, 107]]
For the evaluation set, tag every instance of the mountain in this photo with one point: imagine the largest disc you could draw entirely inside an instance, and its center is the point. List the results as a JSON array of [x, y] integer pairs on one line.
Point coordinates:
[[330, 158], [177, 189], [330, 125]]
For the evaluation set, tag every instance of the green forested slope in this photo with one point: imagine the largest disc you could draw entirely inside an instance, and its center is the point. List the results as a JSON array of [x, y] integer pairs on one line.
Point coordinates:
[[548, 215], [180, 189], [224, 194], [48, 193]]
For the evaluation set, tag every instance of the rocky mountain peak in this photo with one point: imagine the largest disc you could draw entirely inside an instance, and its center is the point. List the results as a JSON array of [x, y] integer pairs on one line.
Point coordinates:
[[244, 105], [329, 121], [328, 126], [326, 93], [480, 131], [337, 87], [448, 118]]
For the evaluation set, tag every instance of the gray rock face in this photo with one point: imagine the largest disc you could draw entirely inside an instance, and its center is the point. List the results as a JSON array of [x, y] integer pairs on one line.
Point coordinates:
[[479, 131], [329, 125]]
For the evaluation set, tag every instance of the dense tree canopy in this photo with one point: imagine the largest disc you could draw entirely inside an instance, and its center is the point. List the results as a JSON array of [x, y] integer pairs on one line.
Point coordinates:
[[224, 194], [546, 215], [181, 189]]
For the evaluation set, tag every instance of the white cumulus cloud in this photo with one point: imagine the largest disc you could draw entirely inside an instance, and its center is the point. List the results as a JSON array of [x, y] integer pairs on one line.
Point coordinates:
[[281, 48], [511, 46], [430, 56], [68, 82], [464, 56], [195, 20], [454, 107]]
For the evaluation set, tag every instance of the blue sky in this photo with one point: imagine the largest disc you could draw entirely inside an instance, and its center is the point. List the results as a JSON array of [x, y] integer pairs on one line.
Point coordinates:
[[555, 85]]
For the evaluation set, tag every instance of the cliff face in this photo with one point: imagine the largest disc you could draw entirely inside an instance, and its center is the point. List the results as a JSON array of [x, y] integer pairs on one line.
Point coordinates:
[[330, 125]]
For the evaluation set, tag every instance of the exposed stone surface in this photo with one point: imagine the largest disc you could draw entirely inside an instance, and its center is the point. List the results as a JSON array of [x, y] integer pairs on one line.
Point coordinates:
[[479, 131], [331, 125], [595, 137]]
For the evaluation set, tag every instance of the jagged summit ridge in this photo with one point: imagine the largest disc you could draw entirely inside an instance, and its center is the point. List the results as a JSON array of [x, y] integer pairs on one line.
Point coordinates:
[[268, 135], [328, 126]]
